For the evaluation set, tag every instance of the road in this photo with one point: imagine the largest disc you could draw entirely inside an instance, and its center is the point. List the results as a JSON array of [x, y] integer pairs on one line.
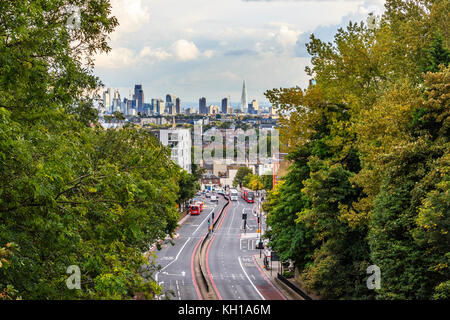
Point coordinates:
[[230, 265]]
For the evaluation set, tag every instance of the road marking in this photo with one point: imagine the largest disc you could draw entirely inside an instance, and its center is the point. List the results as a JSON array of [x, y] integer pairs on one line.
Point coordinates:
[[206, 218], [184, 245], [166, 258], [251, 282]]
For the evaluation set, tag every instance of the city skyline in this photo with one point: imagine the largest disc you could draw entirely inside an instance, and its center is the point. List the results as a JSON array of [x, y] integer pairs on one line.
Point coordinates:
[[139, 91], [194, 49]]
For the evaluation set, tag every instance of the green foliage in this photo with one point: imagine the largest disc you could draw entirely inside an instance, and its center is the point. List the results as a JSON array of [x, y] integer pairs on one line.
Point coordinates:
[[371, 141], [86, 197], [72, 193], [240, 175]]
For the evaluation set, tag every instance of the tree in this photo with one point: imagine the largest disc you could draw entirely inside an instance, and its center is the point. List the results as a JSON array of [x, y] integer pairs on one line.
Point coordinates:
[[240, 175], [267, 182], [72, 193], [371, 141]]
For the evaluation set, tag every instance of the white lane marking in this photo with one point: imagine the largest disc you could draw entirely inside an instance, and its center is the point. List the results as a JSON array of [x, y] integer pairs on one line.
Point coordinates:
[[206, 218], [251, 282], [184, 245]]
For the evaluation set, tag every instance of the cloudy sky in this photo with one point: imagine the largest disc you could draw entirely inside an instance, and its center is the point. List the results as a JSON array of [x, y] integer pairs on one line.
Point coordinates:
[[195, 48]]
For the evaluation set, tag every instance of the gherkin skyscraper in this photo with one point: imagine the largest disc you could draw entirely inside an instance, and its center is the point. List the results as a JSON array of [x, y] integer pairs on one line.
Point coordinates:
[[244, 103]]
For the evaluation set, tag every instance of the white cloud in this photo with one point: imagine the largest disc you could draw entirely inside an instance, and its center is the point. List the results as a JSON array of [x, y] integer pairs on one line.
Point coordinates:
[[180, 50], [131, 14], [185, 50], [155, 55], [281, 41], [116, 59]]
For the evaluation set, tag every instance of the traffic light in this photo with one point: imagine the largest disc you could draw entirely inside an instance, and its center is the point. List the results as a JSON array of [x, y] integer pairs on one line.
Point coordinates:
[[244, 216]]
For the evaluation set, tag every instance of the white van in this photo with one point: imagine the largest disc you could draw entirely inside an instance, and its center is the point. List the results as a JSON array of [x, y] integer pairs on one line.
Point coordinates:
[[234, 195]]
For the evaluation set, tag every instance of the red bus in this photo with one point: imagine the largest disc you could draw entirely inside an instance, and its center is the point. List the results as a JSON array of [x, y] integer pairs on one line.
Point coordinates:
[[248, 195], [195, 209]]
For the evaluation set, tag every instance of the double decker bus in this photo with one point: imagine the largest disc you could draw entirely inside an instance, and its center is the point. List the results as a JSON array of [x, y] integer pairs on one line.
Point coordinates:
[[248, 195]]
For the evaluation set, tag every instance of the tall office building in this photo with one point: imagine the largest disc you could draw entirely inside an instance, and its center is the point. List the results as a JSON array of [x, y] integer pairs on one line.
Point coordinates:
[[139, 97], [202, 106], [107, 100], [154, 105], [160, 106], [116, 103], [244, 103], [178, 106], [225, 105], [170, 103]]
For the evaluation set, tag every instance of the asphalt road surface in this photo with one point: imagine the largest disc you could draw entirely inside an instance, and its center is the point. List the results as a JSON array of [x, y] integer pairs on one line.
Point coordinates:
[[230, 263]]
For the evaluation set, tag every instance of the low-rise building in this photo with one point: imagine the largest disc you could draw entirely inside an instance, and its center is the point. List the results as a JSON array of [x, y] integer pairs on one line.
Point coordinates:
[[180, 142]]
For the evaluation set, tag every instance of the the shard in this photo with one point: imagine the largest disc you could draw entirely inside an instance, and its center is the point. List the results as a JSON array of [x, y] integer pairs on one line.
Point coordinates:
[[244, 103]]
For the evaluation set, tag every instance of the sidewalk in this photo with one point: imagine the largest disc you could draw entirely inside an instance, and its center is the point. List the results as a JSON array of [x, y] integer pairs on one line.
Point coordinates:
[[271, 275]]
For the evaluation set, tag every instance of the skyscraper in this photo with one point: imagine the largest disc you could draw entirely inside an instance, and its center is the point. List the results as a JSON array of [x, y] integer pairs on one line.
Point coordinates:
[[170, 103], [225, 105], [107, 100], [178, 106], [116, 102], [202, 106], [160, 106], [244, 103], [139, 96]]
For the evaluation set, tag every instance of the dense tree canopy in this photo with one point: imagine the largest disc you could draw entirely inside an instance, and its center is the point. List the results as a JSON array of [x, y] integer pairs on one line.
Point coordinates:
[[240, 175], [72, 193], [369, 145]]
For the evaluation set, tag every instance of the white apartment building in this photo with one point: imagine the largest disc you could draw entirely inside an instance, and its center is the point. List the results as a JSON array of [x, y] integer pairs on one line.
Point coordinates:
[[180, 142]]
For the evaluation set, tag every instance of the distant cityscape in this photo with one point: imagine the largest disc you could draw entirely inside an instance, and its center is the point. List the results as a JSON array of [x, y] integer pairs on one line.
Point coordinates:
[[137, 105]]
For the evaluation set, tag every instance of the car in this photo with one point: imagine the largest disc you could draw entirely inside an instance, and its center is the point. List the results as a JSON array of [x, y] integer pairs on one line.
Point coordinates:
[[214, 198], [208, 195]]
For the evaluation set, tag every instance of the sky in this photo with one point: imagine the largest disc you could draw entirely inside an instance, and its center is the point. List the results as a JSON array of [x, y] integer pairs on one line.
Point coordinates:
[[196, 48]]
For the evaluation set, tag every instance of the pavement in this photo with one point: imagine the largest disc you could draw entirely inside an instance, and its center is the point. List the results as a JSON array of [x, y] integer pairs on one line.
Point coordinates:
[[271, 275]]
